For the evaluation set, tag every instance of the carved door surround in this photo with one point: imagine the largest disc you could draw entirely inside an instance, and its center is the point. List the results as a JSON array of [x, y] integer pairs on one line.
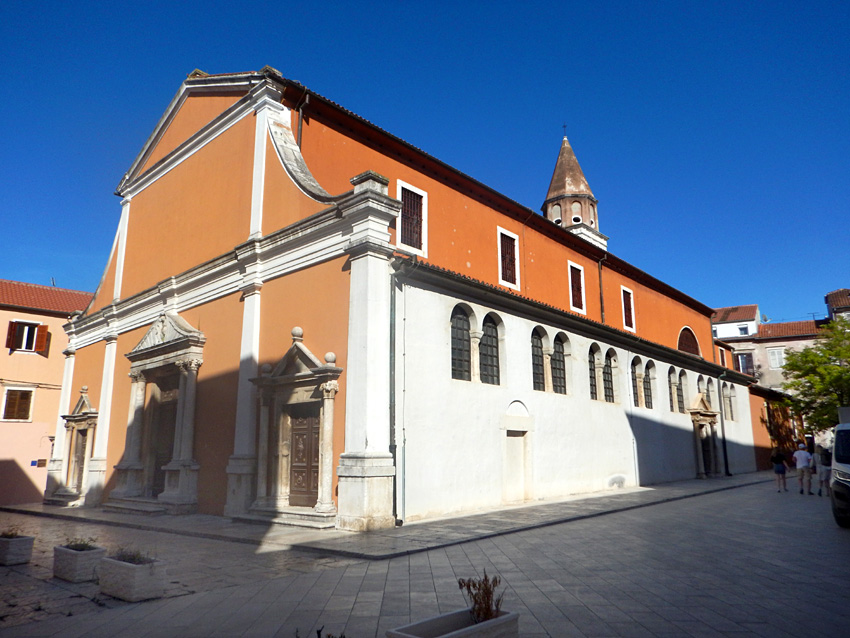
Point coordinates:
[[80, 428], [164, 372], [704, 420], [299, 389]]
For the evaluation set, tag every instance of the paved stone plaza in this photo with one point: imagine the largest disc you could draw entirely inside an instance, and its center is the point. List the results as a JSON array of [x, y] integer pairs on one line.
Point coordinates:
[[681, 560]]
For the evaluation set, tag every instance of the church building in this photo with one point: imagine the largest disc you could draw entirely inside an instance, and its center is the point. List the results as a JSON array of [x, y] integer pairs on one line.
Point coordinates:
[[306, 320]]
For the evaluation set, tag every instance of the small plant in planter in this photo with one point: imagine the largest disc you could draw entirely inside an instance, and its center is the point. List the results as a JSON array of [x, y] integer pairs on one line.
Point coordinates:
[[15, 547], [131, 575], [484, 617], [76, 561]]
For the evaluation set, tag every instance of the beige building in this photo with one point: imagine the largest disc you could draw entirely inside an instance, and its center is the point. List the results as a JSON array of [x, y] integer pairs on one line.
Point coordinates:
[[31, 368]]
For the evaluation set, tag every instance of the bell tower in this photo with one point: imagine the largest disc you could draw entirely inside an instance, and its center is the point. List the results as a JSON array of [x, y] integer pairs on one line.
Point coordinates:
[[570, 202]]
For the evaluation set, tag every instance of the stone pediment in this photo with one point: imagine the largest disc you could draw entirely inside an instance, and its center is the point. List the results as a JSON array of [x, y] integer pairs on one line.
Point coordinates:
[[83, 405], [170, 333], [297, 360], [298, 365], [700, 404]]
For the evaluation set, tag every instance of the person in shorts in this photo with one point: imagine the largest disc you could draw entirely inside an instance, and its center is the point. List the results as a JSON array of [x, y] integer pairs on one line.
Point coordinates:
[[780, 463], [803, 461], [823, 468]]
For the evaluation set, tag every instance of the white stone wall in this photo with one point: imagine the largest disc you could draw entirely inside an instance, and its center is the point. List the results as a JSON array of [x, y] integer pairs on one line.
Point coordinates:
[[454, 452], [725, 330]]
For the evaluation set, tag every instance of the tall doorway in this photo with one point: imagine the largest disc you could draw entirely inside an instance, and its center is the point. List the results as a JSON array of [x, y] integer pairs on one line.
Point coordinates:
[[161, 427]]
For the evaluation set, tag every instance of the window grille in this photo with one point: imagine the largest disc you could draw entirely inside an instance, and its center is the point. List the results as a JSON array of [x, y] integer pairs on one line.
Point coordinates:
[[411, 219], [591, 369], [688, 342], [647, 387], [537, 376], [670, 388], [608, 379], [489, 352], [460, 345], [680, 391], [635, 385], [559, 368], [508, 253]]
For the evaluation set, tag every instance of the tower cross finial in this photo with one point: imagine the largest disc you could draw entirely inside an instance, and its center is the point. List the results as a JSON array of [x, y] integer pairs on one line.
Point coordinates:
[[564, 126]]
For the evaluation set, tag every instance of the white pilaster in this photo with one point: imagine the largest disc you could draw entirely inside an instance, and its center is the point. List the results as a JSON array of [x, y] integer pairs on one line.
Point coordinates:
[[97, 464], [242, 467], [366, 467], [267, 99], [55, 465], [122, 246]]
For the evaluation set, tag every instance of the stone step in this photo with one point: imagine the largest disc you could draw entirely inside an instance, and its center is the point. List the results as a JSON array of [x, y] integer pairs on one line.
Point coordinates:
[[294, 517], [64, 500], [134, 506]]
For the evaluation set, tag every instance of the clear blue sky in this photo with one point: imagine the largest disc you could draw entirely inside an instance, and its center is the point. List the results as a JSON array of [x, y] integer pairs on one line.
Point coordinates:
[[715, 135]]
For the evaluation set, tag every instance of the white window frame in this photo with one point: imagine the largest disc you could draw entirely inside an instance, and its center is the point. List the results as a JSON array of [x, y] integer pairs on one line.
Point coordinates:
[[5, 395], [771, 353], [499, 232], [573, 307], [743, 330], [423, 252], [29, 322], [633, 327]]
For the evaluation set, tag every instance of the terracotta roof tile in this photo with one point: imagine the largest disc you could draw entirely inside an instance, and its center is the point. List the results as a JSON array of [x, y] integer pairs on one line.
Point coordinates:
[[36, 297], [735, 313], [838, 298], [788, 329]]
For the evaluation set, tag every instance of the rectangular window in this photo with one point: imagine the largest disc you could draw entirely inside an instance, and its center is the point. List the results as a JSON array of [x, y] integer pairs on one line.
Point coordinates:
[[776, 358], [26, 337], [723, 357], [412, 227], [17, 405], [628, 309], [744, 363], [508, 267], [576, 288], [743, 330]]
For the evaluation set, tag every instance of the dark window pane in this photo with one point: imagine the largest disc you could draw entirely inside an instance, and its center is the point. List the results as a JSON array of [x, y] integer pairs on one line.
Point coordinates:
[[489, 352], [577, 298], [608, 379], [460, 345], [559, 368], [627, 309], [647, 387], [635, 385], [688, 342], [591, 371], [537, 377], [508, 259]]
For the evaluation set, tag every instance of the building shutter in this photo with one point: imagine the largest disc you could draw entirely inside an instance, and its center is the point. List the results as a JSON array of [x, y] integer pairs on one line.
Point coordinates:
[[41, 338], [411, 219], [10, 335], [627, 309], [17, 406], [508, 259], [576, 293]]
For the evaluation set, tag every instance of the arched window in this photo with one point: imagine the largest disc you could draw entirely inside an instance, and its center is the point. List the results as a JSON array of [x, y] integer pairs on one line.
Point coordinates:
[[688, 341], [726, 401], [648, 381], [671, 376], [537, 376], [700, 385], [708, 386], [732, 403], [489, 352], [591, 372], [559, 367], [635, 390], [682, 391], [460, 345], [608, 376]]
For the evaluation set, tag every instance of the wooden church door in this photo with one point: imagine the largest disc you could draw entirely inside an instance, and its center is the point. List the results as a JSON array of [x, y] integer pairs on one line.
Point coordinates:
[[304, 464]]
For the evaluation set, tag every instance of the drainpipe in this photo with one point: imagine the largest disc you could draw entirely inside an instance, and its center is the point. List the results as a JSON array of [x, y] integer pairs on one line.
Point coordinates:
[[392, 389], [722, 422], [601, 297]]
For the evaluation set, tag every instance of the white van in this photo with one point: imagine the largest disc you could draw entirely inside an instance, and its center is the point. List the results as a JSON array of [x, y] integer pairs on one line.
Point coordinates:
[[840, 482]]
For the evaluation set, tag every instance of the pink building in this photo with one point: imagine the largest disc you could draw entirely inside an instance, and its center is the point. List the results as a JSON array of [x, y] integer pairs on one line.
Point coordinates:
[[31, 369]]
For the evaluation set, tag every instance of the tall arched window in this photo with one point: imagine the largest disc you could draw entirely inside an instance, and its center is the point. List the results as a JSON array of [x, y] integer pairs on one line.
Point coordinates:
[[635, 390], [688, 341], [682, 391], [648, 380], [591, 372], [537, 376], [732, 403], [726, 401], [608, 377], [559, 367], [708, 386], [489, 352], [671, 382], [460, 345]]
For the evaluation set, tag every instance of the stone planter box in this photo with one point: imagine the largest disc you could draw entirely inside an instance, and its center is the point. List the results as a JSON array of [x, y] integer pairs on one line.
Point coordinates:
[[76, 566], [131, 582], [459, 623], [16, 550]]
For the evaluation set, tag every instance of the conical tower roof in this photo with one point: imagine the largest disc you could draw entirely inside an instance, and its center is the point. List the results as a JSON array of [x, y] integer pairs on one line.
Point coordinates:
[[568, 178]]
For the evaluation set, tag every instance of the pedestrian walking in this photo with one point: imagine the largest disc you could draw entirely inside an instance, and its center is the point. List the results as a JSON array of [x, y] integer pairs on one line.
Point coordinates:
[[780, 464], [803, 461], [823, 468]]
